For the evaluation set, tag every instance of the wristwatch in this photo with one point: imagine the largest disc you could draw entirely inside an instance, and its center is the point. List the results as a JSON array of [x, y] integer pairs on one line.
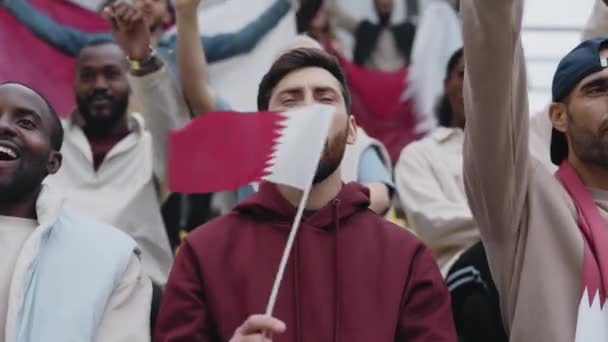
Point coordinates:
[[137, 65]]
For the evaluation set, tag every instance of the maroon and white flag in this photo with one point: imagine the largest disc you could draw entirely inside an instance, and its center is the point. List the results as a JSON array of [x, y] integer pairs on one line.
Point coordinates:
[[226, 150]]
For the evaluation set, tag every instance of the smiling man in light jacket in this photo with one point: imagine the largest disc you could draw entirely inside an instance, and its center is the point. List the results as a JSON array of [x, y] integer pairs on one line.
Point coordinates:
[[63, 277]]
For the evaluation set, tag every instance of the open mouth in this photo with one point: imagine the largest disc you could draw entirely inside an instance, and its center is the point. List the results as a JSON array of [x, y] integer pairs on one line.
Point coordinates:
[[100, 100], [8, 154]]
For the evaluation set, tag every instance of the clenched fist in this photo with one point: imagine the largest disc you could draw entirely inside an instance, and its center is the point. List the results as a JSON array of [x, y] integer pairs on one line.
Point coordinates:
[[129, 29]]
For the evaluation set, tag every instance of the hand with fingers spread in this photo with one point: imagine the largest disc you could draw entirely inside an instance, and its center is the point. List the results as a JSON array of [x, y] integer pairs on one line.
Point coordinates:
[[129, 30], [257, 328]]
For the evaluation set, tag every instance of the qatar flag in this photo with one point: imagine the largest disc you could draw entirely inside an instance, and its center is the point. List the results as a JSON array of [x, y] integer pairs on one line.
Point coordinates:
[[223, 151]]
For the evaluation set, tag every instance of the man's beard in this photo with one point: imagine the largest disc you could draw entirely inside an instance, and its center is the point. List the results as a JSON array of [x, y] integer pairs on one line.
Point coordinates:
[[331, 157], [118, 109], [25, 181], [589, 147]]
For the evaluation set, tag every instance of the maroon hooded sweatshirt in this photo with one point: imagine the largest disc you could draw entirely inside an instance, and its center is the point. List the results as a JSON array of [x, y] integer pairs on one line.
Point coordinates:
[[352, 276]]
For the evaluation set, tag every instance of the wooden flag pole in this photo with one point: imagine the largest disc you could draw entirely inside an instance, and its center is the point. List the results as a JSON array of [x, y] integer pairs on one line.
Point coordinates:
[[292, 236]]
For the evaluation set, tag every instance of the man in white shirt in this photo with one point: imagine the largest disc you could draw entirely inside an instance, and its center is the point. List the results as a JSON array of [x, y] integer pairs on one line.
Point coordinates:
[[114, 162], [62, 277], [429, 177]]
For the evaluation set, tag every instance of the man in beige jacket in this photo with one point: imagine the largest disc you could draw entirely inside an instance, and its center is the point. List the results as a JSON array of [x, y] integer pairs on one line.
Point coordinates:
[[549, 270]]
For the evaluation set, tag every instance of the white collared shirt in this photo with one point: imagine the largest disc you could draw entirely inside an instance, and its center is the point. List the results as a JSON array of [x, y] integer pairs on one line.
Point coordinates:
[[121, 192]]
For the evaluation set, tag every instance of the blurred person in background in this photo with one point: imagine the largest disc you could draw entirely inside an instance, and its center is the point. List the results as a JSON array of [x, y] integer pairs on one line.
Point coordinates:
[[110, 168], [381, 45], [429, 177], [438, 36]]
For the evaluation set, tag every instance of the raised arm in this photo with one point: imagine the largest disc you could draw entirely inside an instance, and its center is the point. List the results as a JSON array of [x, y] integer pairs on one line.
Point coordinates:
[[191, 59], [162, 104], [62, 37], [226, 45], [597, 24], [496, 152]]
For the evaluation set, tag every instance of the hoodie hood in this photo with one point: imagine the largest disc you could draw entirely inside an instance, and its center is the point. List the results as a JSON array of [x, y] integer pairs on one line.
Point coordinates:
[[269, 205]]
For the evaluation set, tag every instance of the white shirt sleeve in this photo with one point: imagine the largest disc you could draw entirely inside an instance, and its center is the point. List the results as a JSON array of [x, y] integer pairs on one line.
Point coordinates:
[[127, 314]]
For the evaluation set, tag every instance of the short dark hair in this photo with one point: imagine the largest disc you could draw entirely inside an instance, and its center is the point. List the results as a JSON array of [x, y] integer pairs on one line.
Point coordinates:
[[443, 108], [57, 127], [97, 42], [298, 59]]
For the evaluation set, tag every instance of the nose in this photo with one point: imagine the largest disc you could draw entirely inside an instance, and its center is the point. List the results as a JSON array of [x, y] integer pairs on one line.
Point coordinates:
[[7, 128], [309, 99], [101, 83]]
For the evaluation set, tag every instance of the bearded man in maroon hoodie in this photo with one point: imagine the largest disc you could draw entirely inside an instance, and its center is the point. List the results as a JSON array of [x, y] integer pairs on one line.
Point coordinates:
[[351, 276]]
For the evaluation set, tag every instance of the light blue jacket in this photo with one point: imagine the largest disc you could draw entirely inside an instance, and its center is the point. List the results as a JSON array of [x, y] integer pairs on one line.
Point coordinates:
[[66, 272]]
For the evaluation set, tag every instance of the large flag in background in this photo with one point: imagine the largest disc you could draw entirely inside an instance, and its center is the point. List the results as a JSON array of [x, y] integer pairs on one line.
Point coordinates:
[[236, 79], [27, 59], [224, 151]]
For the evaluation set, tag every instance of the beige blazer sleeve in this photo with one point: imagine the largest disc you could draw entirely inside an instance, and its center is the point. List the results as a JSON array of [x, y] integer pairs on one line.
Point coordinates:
[[496, 149], [127, 314], [597, 25]]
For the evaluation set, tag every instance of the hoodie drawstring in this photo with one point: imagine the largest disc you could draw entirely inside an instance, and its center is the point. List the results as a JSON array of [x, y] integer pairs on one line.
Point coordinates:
[[337, 277], [296, 292]]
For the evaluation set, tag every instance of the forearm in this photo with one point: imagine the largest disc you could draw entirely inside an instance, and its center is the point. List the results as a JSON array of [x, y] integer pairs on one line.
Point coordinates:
[[496, 148], [163, 109], [192, 64]]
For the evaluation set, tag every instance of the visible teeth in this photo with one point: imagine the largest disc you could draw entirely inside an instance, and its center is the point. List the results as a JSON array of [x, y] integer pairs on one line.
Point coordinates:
[[8, 151]]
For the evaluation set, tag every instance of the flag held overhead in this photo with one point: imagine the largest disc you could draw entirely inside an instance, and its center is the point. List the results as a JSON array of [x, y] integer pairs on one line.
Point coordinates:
[[226, 150]]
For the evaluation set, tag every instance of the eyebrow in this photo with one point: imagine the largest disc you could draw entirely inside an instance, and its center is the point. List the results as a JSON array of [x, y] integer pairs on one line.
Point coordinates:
[[598, 82], [291, 91], [326, 90], [25, 111]]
